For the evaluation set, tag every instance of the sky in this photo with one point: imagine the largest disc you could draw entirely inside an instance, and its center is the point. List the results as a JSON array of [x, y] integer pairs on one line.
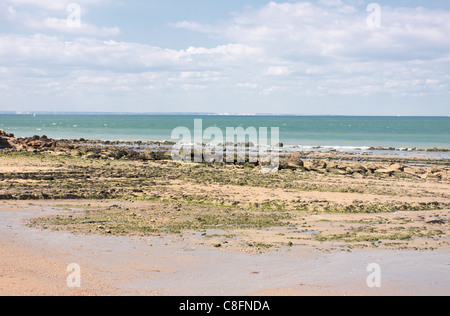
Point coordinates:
[[324, 57]]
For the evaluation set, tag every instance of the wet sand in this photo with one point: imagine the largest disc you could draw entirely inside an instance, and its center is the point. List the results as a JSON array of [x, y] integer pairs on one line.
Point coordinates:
[[34, 262]]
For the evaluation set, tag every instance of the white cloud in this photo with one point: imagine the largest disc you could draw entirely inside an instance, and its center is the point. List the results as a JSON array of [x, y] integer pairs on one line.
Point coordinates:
[[193, 26], [331, 3], [54, 5], [88, 64], [284, 50], [248, 85], [62, 26], [278, 71], [86, 53], [331, 40], [56, 16]]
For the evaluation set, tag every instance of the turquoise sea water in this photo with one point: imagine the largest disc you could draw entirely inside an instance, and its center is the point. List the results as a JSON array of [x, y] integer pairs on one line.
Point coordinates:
[[344, 132]]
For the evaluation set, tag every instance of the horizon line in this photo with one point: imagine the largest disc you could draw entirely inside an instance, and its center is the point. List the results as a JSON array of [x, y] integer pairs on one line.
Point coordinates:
[[201, 113]]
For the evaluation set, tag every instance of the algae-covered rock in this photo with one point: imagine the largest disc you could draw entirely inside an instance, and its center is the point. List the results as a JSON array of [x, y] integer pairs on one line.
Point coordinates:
[[292, 163]]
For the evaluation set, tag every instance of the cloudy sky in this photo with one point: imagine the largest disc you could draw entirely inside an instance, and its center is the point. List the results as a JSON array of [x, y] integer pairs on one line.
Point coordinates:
[[342, 57]]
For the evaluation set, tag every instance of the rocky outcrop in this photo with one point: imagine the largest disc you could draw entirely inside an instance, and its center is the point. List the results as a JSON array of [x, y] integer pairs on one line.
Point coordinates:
[[437, 173], [5, 140], [34, 143], [4, 144], [302, 161], [4, 134], [434, 149], [9, 141], [292, 163], [390, 170]]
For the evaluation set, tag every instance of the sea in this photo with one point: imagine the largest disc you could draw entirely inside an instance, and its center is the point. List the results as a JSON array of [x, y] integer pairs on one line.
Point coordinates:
[[342, 133]]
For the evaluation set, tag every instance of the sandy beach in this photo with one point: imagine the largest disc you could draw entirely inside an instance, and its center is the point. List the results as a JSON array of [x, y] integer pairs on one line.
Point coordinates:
[[158, 227]]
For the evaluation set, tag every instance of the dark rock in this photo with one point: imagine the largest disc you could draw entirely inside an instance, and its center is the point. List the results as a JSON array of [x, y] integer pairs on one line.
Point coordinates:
[[4, 144], [437, 221]]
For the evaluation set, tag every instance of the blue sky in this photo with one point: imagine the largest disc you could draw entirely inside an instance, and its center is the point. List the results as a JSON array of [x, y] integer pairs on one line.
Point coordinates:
[[235, 56]]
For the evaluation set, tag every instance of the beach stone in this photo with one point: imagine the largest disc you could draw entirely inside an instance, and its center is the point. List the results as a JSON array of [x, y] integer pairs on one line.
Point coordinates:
[[435, 170], [156, 155], [309, 165], [319, 164], [397, 167], [372, 168], [411, 171], [391, 169], [7, 140], [19, 147], [149, 155], [442, 175], [292, 163], [431, 176], [75, 153], [4, 143], [417, 170], [116, 153], [437, 222], [349, 170], [359, 168], [332, 165], [352, 168], [91, 155], [344, 166]]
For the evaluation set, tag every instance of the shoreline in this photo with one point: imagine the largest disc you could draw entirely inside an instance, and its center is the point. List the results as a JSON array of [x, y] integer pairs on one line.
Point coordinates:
[[37, 143], [284, 147]]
